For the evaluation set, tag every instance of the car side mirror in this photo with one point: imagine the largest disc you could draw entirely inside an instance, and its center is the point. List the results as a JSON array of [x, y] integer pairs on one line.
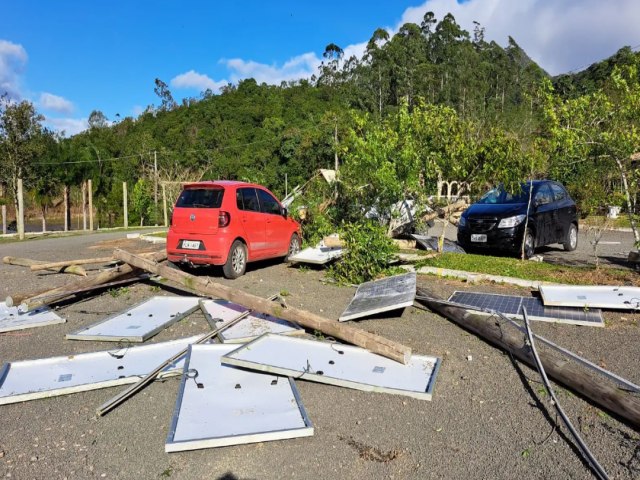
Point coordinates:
[[284, 212]]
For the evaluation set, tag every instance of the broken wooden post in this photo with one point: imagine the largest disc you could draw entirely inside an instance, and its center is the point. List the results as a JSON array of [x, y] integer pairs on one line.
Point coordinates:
[[27, 262], [20, 212], [31, 301], [204, 285], [124, 204], [164, 205], [459, 205], [605, 396], [84, 205], [65, 263], [90, 192]]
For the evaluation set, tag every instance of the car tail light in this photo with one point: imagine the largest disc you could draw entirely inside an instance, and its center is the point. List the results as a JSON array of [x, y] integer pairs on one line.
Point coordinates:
[[171, 220], [223, 219]]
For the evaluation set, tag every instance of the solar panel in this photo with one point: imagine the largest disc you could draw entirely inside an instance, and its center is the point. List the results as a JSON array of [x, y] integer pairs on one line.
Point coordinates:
[[382, 295], [612, 297], [11, 319], [511, 306]]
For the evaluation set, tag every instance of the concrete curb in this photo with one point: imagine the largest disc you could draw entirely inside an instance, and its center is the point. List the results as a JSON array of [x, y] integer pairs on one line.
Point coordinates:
[[478, 277]]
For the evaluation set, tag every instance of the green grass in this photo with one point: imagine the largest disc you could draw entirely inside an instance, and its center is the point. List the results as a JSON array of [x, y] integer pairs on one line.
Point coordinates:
[[156, 234], [528, 270]]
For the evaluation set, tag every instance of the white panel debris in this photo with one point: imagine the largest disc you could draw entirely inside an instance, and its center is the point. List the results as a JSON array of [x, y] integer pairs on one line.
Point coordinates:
[[11, 319], [219, 405], [382, 295], [140, 322], [337, 364], [615, 298], [220, 312], [50, 377], [318, 255]]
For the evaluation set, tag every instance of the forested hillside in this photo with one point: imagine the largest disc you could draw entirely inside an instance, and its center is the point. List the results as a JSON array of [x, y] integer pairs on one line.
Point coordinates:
[[431, 101]]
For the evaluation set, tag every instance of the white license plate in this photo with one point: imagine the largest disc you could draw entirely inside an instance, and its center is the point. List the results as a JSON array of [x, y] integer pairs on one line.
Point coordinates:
[[191, 244], [478, 237]]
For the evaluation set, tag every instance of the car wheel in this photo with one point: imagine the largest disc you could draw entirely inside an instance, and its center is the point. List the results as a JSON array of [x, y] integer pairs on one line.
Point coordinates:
[[529, 244], [236, 263], [571, 240], [294, 246]]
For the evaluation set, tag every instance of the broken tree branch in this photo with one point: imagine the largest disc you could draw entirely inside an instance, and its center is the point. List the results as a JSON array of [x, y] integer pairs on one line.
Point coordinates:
[[204, 285], [27, 262], [28, 302], [67, 263], [610, 398]]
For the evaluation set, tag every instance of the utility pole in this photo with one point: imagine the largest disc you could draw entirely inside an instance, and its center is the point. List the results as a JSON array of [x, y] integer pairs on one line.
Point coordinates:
[[155, 185], [90, 193], [4, 209], [124, 204]]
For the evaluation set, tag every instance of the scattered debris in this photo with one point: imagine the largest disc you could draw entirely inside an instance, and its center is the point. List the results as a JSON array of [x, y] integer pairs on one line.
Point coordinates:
[[337, 364], [508, 338], [321, 254], [386, 294], [203, 285], [433, 243], [27, 262], [11, 319], [584, 296], [220, 312], [139, 323], [212, 412], [49, 377], [511, 306]]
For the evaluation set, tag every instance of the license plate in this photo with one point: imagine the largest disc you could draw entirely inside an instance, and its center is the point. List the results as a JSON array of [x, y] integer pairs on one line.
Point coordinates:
[[191, 244], [478, 237]]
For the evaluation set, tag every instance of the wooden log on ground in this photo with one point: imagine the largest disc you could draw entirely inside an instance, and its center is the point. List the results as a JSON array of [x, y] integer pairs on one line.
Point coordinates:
[[606, 396], [204, 285], [31, 301], [27, 262], [66, 263]]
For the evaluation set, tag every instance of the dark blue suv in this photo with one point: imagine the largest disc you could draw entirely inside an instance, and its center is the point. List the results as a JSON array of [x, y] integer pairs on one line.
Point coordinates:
[[497, 220]]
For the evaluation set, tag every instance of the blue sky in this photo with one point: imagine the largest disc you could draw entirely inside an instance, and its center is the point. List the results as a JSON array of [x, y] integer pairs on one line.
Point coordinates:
[[71, 57]]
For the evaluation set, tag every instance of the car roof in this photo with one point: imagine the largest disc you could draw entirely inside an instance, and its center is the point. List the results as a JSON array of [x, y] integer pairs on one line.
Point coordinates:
[[220, 183]]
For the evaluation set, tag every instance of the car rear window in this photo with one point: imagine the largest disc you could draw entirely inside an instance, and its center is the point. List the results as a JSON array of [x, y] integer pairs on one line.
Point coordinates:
[[200, 198]]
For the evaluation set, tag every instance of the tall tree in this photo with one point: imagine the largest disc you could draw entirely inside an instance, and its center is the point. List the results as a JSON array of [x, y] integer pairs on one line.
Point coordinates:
[[20, 142], [162, 90]]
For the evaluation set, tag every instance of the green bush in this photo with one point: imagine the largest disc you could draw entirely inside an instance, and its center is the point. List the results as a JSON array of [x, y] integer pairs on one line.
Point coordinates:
[[368, 253]]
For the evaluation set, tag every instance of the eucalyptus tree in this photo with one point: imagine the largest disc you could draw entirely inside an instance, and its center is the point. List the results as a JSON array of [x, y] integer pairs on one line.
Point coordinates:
[[21, 135]]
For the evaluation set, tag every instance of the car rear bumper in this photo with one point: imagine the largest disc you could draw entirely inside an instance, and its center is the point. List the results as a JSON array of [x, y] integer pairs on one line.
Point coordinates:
[[214, 252]]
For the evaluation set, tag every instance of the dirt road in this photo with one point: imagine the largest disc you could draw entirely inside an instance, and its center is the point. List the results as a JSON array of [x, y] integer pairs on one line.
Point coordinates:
[[485, 420]]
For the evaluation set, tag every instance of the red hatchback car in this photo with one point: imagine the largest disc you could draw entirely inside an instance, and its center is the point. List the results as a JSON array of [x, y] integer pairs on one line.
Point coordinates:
[[229, 223]]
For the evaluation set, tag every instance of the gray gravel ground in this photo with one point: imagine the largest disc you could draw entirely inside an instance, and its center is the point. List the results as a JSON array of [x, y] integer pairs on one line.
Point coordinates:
[[484, 422]]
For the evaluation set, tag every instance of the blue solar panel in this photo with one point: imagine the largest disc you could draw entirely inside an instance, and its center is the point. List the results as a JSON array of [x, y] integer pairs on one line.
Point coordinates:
[[511, 306]]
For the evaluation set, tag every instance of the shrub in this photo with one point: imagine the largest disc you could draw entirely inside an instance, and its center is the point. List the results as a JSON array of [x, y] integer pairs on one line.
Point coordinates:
[[368, 253]]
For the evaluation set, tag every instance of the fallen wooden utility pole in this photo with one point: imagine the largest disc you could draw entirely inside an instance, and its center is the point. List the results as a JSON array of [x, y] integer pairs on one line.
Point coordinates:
[[610, 398], [31, 301], [27, 262], [68, 263], [204, 285], [147, 379]]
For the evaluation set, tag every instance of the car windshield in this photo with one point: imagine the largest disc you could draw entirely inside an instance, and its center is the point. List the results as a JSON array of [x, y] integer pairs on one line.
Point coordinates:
[[200, 198], [501, 196]]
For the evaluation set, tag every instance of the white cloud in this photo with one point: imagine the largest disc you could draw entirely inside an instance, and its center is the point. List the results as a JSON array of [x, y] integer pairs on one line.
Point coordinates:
[[13, 58], [193, 79], [302, 66], [70, 126], [49, 101], [560, 36]]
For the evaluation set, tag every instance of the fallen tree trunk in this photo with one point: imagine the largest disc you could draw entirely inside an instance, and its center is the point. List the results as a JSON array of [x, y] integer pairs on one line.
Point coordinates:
[[441, 212], [27, 262], [204, 285], [570, 375], [68, 263], [31, 301]]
